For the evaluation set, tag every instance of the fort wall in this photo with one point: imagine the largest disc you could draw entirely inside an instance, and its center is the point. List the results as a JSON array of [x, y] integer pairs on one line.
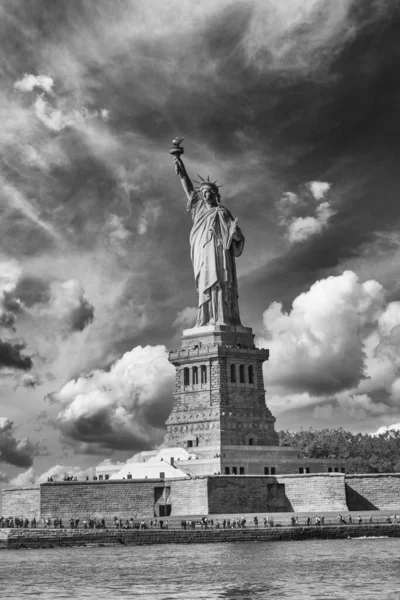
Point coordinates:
[[314, 492], [230, 494], [377, 491], [22, 502], [233, 495], [123, 499]]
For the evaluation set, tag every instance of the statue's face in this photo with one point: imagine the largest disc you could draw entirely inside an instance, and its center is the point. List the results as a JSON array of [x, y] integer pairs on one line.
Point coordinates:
[[209, 196]]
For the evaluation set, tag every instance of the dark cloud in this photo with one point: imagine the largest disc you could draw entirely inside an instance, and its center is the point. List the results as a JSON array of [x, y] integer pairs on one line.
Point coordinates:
[[51, 398], [124, 408], [7, 320], [14, 451], [32, 290], [30, 381], [11, 356], [82, 315]]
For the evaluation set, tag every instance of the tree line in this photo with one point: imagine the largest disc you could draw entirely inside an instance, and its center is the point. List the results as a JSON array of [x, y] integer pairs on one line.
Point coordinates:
[[364, 453]]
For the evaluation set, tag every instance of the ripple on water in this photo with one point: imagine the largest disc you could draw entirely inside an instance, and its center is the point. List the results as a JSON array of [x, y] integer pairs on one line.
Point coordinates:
[[309, 570]]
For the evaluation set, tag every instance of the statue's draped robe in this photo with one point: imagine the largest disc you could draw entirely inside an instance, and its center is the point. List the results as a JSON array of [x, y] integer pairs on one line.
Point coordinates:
[[213, 252]]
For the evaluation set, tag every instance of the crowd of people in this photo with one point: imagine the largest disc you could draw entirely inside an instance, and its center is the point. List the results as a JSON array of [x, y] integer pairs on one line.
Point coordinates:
[[359, 520], [17, 522], [203, 523], [234, 523]]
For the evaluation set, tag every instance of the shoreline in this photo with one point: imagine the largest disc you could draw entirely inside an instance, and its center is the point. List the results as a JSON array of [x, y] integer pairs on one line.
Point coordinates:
[[18, 538]]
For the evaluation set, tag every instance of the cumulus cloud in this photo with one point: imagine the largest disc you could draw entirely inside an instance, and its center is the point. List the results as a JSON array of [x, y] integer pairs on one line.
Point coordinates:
[[58, 472], [124, 407], [384, 430], [318, 346], [29, 82], [294, 211], [23, 479], [14, 451], [319, 189], [336, 352]]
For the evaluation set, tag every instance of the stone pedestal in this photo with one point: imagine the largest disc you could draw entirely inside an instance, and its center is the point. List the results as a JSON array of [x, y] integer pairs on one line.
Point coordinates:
[[219, 393]]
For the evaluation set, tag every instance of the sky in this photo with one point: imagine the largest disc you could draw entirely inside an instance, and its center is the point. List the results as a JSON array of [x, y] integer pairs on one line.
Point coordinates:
[[294, 107]]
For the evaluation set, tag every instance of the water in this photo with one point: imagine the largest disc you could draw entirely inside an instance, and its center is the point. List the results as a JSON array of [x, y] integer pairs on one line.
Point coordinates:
[[367, 569]]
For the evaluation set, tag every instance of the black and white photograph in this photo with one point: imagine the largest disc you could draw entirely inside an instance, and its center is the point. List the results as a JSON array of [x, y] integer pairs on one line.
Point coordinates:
[[200, 299]]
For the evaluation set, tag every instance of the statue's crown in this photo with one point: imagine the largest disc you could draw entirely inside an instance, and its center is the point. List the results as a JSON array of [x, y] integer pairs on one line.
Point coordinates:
[[207, 183]]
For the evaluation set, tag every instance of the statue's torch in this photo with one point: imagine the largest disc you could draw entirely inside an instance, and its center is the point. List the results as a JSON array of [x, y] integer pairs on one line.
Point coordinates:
[[177, 150]]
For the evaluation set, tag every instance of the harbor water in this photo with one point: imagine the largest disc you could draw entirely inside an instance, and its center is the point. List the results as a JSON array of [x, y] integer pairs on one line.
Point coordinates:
[[350, 569]]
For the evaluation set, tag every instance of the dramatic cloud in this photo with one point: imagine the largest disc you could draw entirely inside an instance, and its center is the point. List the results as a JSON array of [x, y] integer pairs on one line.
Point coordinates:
[[318, 346], [124, 407], [293, 209], [12, 357], [17, 452], [271, 96], [340, 347]]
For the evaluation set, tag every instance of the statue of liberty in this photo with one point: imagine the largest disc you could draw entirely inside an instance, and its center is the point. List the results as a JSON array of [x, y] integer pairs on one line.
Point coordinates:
[[215, 241]]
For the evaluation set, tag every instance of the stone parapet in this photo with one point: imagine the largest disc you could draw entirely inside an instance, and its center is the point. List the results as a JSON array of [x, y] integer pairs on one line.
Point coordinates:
[[51, 538], [196, 354], [230, 335]]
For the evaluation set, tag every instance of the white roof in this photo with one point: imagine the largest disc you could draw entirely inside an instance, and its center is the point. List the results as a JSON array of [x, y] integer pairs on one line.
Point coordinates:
[[148, 470], [168, 453]]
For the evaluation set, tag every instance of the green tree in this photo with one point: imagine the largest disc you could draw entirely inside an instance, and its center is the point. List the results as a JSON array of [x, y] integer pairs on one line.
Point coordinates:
[[363, 452]]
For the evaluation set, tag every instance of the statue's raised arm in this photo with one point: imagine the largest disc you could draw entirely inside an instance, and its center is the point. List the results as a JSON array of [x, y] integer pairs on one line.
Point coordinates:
[[216, 241], [180, 170]]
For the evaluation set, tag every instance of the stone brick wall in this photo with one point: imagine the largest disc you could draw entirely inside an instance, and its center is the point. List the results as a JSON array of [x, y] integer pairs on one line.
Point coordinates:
[[22, 502], [189, 496], [314, 492], [207, 495], [45, 538], [380, 491], [235, 494], [123, 499]]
